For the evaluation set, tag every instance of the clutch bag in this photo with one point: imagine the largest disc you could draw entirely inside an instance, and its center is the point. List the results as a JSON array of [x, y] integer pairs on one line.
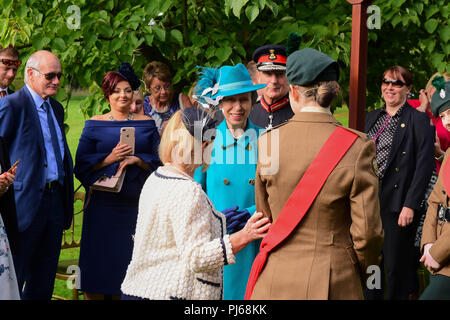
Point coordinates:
[[110, 184]]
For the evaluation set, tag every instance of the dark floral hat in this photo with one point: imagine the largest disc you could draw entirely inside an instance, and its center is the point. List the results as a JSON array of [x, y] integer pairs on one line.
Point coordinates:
[[199, 123], [126, 71]]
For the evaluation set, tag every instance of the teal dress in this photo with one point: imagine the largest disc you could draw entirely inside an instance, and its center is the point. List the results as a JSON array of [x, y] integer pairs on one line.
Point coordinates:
[[230, 181]]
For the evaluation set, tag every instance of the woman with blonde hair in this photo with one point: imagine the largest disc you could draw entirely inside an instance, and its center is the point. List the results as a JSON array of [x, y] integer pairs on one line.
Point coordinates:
[[180, 244]]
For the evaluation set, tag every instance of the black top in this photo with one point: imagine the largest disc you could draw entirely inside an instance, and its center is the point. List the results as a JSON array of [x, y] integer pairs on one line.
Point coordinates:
[[260, 116], [7, 202]]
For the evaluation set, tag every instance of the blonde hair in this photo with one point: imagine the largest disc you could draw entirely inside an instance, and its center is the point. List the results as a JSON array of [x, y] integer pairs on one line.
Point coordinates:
[[178, 145], [322, 92]]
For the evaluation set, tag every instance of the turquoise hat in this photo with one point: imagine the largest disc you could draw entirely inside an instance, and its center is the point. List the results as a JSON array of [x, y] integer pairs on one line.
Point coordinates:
[[215, 84]]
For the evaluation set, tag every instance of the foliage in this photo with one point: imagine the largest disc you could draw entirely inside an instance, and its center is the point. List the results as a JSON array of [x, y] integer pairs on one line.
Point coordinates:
[[190, 33]]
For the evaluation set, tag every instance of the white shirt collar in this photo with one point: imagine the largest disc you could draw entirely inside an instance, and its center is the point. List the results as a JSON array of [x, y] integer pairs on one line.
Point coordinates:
[[315, 109]]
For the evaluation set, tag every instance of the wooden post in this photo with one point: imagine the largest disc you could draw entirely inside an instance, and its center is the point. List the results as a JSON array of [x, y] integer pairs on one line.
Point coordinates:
[[358, 64]]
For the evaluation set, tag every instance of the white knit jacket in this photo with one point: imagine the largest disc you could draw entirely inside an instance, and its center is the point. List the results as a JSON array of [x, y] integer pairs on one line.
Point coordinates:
[[180, 244]]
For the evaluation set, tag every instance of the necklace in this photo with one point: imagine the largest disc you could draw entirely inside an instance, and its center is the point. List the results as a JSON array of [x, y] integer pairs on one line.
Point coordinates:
[[130, 117], [178, 170]]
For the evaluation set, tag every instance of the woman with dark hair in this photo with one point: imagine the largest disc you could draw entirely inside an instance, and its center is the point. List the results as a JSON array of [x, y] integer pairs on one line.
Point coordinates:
[[404, 141], [162, 102], [110, 217]]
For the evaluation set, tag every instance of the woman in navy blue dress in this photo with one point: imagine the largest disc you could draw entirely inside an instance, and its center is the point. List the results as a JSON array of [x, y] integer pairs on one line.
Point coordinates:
[[109, 220]]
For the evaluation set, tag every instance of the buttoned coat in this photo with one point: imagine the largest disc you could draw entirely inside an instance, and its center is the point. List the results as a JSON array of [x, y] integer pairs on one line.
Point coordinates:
[[327, 254], [410, 162], [434, 230]]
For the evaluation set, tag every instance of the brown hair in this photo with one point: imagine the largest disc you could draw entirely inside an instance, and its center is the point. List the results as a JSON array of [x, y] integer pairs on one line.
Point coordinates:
[[156, 69], [10, 51], [396, 70], [322, 92]]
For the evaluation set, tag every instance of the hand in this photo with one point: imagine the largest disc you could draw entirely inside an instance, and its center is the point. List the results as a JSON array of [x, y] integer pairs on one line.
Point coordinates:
[[256, 227], [119, 153], [427, 259], [238, 221], [230, 211], [437, 147], [406, 217], [128, 161], [424, 101], [6, 180]]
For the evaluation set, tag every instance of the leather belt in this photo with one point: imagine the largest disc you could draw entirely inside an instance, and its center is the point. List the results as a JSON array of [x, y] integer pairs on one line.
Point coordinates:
[[443, 213], [52, 184]]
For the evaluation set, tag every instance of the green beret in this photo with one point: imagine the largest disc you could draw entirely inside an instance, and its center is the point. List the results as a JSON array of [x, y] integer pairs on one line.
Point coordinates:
[[440, 101], [308, 66]]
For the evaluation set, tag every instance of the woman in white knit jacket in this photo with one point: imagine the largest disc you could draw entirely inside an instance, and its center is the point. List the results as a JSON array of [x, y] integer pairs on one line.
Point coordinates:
[[180, 244]]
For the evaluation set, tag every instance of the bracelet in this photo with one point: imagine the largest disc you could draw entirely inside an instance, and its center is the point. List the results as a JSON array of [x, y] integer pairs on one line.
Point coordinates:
[[440, 158]]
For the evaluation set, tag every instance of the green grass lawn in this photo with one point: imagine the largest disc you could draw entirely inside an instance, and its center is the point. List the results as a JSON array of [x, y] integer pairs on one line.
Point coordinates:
[[76, 120]]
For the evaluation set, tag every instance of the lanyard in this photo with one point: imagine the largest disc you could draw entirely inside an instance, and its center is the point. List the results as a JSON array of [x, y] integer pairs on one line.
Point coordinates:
[[383, 127]]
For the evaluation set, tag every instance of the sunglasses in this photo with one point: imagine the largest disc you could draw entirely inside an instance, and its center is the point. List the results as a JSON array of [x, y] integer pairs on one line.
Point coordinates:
[[50, 75], [395, 83], [9, 62]]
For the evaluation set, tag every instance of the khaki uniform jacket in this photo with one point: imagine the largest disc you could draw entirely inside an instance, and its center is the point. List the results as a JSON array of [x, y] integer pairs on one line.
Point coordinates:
[[327, 255], [436, 231]]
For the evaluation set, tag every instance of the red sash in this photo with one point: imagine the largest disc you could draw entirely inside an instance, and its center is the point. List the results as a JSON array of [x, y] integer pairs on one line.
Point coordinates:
[[302, 198]]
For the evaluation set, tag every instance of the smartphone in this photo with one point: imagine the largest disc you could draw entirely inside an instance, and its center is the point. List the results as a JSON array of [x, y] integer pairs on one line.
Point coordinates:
[[127, 137], [14, 165]]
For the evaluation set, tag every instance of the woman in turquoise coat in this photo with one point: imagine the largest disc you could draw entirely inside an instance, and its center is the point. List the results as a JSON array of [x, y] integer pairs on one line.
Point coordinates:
[[229, 179]]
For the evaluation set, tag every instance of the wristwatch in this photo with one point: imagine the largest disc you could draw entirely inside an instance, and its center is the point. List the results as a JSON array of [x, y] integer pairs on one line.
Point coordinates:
[[440, 158]]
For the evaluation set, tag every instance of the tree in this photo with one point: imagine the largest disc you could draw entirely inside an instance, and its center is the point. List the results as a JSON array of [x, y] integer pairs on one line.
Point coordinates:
[[93, 37]]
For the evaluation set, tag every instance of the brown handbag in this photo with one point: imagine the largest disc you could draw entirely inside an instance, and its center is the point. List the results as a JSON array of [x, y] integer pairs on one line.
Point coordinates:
[[112, 184]]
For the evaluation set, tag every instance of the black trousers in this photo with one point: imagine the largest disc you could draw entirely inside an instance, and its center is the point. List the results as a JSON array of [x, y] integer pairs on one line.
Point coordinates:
[[400, 260]]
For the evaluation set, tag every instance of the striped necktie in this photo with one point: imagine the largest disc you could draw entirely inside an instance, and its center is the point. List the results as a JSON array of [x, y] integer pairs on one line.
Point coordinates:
[[2, 93], [55, 144]]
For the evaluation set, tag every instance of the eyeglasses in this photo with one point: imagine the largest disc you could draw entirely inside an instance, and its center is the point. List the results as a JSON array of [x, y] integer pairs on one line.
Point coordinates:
[[50, 75], [9, 62], [158, 88], [395, 83]]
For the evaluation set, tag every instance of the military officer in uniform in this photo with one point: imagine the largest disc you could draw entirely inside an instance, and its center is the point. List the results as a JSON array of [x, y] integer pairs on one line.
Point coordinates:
[[326, 254], [273, 108], [435, 244]]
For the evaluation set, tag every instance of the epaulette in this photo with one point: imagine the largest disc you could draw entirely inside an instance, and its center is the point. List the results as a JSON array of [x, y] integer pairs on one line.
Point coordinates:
[[359, 133], [272, 128]]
